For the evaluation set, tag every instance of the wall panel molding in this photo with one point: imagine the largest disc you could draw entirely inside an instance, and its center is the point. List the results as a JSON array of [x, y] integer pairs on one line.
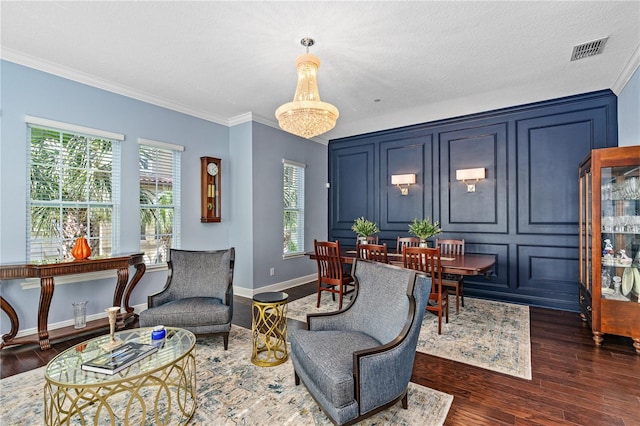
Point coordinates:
[[413, 155], [486, 209], [524, 212]]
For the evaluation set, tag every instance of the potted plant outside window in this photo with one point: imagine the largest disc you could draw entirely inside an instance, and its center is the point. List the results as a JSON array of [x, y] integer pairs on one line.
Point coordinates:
[[424, 229], [364, 228]]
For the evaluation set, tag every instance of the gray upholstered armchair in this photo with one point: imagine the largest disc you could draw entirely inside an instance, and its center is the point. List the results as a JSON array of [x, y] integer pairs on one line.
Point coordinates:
[[358, 361], [198, 295]]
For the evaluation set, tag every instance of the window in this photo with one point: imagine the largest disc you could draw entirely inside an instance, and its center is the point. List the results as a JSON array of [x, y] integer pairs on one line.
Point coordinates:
[[293, 208], [73, 189], [159, 199]]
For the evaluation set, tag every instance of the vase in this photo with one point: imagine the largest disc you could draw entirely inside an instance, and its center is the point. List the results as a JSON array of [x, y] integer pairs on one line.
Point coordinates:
[[79, 314], [423, 243]]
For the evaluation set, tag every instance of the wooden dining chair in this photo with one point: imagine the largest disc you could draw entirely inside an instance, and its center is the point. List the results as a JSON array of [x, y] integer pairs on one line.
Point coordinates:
[[371, 239], [374, 252], [427, 260], [331, 276], [453, 248], [406, 242]]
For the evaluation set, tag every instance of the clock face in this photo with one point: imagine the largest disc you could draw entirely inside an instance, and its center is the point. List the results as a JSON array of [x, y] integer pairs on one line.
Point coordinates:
[[212, 169]]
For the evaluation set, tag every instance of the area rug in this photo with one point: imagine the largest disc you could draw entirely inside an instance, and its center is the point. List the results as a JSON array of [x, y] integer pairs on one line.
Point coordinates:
[[233, 391], [486, 334]]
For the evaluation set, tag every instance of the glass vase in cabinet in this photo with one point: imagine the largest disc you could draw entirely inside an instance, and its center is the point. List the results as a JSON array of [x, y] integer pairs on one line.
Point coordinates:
[[609, 241]]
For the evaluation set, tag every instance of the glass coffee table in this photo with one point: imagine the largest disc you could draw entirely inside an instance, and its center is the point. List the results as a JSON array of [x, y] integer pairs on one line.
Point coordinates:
[[147, 392]]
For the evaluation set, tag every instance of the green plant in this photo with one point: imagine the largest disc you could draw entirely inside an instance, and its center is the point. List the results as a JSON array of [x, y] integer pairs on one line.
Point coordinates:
[[364, 227], [424, 228]]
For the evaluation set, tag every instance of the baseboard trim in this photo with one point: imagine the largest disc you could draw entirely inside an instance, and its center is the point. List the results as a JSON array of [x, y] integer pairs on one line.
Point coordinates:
[[239, 291], [61, 324]]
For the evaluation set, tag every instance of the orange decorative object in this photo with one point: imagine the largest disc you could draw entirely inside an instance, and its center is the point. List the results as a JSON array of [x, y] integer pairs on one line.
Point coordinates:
[[81, 249]]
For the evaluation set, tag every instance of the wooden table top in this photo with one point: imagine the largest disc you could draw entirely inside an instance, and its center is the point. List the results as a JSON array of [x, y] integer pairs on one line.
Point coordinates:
[[468, 264]]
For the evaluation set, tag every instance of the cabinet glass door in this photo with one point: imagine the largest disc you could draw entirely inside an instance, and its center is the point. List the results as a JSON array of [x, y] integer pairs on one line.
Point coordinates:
[[585, 230], [620, 221]]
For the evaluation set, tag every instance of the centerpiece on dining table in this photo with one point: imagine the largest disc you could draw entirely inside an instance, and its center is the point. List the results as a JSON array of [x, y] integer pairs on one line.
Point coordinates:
[[364, 228], [424, 229]]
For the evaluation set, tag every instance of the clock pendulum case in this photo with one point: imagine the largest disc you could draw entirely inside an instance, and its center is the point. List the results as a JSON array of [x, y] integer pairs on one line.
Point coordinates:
[[210, 190]]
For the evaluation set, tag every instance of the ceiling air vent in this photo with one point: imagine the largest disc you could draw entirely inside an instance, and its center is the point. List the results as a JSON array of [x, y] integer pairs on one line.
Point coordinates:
[[591, 48]]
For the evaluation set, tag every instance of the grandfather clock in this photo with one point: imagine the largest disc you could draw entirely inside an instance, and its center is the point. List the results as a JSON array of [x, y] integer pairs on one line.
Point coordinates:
[[210, 190]]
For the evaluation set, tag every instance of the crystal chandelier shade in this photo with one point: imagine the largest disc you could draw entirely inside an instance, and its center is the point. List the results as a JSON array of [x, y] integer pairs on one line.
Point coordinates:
[[307, 116]]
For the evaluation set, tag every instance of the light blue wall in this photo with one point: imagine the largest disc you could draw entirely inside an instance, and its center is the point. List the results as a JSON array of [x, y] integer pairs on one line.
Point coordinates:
[[629, 112], [26, 91], [241, 201], [270, 147]]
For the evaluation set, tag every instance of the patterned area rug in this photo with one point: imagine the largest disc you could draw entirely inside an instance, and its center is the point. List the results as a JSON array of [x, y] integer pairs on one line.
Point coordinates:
[[486, 334], [233, 391]]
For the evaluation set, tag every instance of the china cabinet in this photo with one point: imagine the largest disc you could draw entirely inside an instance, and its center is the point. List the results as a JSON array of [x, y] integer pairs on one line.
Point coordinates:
[[609, 234], [210, 190]]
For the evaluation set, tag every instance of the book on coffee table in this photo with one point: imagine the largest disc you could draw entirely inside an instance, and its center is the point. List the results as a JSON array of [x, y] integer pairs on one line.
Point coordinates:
[[120, 358]]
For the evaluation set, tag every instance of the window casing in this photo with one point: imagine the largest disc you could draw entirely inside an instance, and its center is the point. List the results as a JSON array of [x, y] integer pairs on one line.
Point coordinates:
[[73, 190], [160, 170], [293, 208]]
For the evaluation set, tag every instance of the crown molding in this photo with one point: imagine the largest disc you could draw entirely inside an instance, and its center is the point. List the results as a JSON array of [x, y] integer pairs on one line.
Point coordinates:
[[74, 75], [90, 80], [251, 117], [627, 72]]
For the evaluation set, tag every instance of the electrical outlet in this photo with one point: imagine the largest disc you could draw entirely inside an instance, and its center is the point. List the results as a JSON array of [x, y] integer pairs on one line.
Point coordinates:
[[272, 271]]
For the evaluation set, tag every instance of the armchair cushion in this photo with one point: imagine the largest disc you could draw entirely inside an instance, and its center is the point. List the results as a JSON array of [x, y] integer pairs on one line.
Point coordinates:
[[190, 312], [328, 357]]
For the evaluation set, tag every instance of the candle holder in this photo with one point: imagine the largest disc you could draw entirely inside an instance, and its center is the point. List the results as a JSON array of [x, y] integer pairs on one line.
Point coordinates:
[[113, 343]]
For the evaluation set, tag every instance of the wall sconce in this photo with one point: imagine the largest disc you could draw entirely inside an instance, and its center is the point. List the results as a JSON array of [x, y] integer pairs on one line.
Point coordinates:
[[407, 180], [468, 174]]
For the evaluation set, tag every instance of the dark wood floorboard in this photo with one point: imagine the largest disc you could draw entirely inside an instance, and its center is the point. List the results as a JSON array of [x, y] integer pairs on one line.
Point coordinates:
[[574, 382]]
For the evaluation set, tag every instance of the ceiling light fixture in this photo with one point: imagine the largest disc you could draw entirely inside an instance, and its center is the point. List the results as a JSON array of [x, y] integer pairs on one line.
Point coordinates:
[[307, 116]]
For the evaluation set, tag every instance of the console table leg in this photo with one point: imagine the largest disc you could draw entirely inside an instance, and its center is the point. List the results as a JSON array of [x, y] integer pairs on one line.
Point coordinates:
[[123, 277], [140, 270], [13, 317], [46, 294]]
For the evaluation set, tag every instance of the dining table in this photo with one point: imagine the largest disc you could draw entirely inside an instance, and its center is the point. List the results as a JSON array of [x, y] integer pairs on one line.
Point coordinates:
[[467, 264]]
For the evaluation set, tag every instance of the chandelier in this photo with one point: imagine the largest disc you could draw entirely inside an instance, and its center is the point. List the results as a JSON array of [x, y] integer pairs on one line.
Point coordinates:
[[307, 116]]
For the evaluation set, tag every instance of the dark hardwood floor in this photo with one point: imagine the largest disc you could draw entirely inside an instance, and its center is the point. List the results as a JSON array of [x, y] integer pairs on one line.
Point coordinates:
[[574, 382]]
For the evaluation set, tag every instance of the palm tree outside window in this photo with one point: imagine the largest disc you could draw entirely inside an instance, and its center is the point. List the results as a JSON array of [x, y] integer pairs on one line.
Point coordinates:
[[160, 169], [74, 182]]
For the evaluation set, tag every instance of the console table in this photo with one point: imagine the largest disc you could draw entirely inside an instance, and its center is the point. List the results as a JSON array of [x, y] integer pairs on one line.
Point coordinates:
[[48, 271]]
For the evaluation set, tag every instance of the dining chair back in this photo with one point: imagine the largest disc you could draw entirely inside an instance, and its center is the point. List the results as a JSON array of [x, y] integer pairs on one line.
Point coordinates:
[[406, 242], [371, 239], [331, 276], [373, 252], [427, 260], [450, 247], [453, 248]]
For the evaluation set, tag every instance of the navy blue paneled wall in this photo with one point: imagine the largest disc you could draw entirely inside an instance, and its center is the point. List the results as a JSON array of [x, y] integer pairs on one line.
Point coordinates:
[[525, 212]]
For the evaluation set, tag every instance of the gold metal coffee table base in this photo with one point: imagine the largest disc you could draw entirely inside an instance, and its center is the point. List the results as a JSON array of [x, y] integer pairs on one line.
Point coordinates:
[[160, 391], [269, 329]]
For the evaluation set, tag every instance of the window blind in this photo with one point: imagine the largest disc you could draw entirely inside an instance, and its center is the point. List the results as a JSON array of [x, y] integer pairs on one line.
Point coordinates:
[[73, 191], [293, 207], [160, 170]]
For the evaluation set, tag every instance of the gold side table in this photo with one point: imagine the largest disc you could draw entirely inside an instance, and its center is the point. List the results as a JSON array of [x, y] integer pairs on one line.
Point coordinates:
[[269, 328], [159, 389]]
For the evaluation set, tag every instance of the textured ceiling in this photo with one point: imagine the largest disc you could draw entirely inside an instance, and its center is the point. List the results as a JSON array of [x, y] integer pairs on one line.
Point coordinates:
[[423, 61]]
